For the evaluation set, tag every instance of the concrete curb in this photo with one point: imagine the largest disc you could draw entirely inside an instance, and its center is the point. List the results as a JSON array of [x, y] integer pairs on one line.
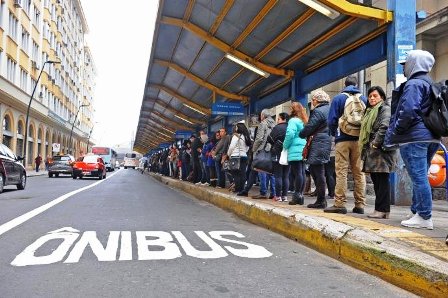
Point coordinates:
[[382, 254]]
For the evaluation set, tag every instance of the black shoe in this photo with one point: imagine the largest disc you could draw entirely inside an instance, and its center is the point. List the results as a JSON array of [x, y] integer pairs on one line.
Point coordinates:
[[334, 209], [242, 194], [271, 197], [294, 202], [358, 210], [318, 205]]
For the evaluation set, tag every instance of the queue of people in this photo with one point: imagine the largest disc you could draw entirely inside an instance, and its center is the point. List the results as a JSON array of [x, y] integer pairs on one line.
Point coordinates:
[[351, 131]]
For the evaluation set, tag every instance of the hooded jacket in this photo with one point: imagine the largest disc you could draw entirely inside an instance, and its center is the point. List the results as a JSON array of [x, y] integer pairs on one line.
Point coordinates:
[[410, 101], [337, 110], [263, 131]]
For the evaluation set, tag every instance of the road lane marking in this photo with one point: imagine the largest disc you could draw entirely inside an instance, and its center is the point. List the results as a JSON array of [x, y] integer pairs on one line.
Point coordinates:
[[27, 216], [149, 244]]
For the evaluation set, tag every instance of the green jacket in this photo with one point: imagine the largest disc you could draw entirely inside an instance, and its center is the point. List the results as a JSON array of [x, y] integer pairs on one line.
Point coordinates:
[[293, 143]]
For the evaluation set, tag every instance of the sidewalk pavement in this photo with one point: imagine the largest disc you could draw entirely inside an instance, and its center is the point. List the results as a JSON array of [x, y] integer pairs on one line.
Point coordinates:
[[33, 173], [416, 260]]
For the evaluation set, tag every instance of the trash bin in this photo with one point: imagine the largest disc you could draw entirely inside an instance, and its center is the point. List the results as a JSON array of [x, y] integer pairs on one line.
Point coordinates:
[[437, 171]]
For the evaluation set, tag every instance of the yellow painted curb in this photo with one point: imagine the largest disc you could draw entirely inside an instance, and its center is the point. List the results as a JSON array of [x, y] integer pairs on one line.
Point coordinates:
[[411, 276]]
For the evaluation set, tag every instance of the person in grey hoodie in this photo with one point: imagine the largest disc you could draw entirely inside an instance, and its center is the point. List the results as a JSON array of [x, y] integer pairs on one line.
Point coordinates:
[[417, 143], [263, 130]]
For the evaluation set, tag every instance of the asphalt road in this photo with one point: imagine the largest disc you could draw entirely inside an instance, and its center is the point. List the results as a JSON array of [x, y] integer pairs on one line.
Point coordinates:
[[130, 236]]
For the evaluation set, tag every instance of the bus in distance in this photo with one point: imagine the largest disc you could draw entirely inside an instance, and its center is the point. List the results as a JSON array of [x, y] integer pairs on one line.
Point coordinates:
[[131, 160], [108, 155]]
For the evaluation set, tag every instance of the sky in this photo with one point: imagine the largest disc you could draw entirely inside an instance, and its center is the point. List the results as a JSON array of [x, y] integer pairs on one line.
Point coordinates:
[[120, 40]]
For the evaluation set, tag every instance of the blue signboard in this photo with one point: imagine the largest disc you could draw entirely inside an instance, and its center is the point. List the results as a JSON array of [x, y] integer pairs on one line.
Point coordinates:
[[228, 109], [183, 134], [164, 145]]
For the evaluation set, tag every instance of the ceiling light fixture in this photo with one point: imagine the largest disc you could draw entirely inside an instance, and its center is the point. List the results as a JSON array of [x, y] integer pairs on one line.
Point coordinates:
[[323, 9], [247, 65], [181, 118], [194, 109]]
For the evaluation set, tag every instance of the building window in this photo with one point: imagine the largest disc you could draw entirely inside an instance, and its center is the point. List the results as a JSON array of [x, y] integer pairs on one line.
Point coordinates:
[[26, 6], [25, 40], [13, 26], [7, 134], [35, 52], [11, 70], [37, 17], [19, 146], [23, 79], [2, 14]]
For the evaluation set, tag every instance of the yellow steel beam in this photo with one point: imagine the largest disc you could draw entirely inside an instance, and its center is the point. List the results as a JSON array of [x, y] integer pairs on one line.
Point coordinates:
[[189, 10], [200, 81], [153, 134], [222, 14], [174, 111], [347, 49], [174, 123], [291, 28], [225, 47], [254, 23], [359, 11], [160, 125], [321, 39], [182, 99]]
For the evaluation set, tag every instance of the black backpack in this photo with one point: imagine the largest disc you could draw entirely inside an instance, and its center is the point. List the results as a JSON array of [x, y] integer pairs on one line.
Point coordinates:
[[436, 119]]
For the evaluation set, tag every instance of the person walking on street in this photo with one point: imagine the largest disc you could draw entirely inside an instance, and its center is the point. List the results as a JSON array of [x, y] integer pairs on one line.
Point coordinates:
[[37, 162], [376, 161], [417, 143], [295, 144], [319, 151], [47, 162], [281, 172], [344, 122]]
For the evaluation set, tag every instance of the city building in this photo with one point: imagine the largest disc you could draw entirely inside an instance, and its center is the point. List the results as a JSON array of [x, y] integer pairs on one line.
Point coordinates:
[[43, 41]]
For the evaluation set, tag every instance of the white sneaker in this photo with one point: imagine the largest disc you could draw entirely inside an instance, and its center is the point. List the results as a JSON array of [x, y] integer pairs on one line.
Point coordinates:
[[284, 199], [205, 184], [198, 183], [418, 222], [409, 215]]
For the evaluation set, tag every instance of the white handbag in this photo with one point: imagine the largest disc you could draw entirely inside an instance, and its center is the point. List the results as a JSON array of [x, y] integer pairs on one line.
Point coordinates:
[[283, 157]]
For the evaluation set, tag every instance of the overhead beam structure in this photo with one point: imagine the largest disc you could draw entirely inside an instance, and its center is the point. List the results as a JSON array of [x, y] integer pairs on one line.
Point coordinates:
[[225, 47], [181, 98], [174, 111], [200, 81], [359, 11], [173, 123]]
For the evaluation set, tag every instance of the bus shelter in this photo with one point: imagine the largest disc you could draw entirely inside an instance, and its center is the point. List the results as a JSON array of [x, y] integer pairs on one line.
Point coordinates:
[[260, 54]]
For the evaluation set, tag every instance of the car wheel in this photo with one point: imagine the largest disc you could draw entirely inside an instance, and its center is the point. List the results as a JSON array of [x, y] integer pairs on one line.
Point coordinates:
[[125, 168], [74, 176], [50, 175], [100, 176], [57, 175], [2, 181], [104, 175], [22, 183]]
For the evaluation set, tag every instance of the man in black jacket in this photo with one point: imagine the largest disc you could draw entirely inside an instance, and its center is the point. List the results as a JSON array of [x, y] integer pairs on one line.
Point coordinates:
[[196, 145]]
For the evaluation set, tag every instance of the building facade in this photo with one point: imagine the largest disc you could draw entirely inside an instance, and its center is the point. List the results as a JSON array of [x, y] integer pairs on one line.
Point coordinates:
[[46, 38]]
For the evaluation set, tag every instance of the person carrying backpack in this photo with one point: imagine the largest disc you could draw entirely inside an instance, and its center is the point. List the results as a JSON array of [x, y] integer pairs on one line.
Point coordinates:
[[410, 101], [344, 123]]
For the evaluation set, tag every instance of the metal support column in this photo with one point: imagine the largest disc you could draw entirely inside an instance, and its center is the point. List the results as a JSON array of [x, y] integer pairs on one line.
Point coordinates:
[[400, 39]]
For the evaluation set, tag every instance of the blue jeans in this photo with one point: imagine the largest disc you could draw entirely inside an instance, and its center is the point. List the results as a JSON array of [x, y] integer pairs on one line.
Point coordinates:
[[264, 179], [417, 159]]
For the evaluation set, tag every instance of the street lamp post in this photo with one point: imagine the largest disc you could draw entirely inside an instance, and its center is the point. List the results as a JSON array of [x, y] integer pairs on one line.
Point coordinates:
[[73, 125], [29, 106], [88, 139]]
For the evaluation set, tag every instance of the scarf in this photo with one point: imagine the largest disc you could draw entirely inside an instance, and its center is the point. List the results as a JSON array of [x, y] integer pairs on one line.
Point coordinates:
[[367, 124]]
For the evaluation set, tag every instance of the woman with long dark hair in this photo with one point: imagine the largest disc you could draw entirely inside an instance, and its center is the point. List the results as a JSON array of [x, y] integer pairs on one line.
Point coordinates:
[[239, 145], [377, 162], [281, 172], [295, 144]]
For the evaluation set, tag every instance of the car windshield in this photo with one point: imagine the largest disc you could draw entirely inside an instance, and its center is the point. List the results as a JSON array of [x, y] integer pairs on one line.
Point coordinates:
[[61, 158], [89, 159]]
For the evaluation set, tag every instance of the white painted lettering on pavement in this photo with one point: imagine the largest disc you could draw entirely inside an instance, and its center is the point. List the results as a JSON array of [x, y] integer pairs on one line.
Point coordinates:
[[151, 245], [163, 239]]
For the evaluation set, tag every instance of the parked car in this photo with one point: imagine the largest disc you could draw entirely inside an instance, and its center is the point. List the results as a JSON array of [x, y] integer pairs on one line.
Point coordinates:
[[60, 164], [12, 172], [89, 166]]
